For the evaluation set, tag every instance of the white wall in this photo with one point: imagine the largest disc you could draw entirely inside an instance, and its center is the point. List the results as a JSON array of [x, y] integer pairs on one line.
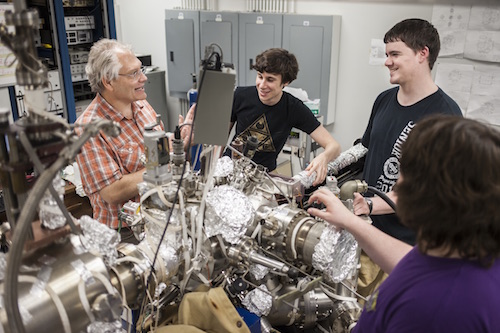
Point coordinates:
[[142, 25]]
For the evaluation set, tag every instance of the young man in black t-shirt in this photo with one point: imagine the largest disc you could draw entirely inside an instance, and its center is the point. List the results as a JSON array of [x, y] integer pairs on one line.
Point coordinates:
[[412, 47], [269, 113]]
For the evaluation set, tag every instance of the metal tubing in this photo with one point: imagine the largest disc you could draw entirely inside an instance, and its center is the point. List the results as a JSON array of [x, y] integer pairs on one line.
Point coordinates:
[[26, 218]]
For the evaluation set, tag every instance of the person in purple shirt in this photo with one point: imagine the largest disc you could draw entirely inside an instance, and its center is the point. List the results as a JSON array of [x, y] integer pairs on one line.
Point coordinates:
[[448, 193]]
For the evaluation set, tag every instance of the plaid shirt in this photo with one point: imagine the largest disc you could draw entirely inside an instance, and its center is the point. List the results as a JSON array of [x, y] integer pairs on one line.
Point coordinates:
[[104, 159]]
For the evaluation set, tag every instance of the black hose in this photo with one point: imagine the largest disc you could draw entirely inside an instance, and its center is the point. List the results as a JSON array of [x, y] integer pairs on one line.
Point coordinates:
[[383, 195]]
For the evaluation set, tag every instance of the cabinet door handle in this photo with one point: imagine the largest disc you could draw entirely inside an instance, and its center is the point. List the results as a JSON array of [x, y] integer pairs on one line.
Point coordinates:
[[251, 64], [172, 56]]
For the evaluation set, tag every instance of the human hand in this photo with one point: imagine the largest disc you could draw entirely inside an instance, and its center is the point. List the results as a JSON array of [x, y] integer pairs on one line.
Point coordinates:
[[336, 213], [360, 206], [319, 165], [185, 125]]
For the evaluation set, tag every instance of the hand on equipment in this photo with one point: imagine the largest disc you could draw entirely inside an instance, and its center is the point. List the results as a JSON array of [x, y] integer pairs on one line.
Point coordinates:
[[360, 205]]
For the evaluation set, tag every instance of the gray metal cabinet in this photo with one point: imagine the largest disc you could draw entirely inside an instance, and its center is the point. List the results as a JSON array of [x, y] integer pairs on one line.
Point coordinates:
[[183, 49], [314, 39], [220, 28], [310, 38], [257, 32]]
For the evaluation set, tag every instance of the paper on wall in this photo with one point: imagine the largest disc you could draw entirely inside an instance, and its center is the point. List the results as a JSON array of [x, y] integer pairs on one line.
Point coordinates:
[[377, 52], [482, 45], [484, 108]]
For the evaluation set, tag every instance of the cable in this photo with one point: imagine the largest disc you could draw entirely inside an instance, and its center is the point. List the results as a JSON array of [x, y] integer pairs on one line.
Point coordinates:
[[322, 329], [130, 259], [383, 195], [124, 298], [185, 251], [176, 196], [307, 274], [279, 188], [84, 300], [220, 50], [55, 298], [335, 296], [218, 64], [256, 230], [193, 224], [241, 154], [104, 280]]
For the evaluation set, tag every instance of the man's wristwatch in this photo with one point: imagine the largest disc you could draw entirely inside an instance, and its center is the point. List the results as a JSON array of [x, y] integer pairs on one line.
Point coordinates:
[[369, 202]]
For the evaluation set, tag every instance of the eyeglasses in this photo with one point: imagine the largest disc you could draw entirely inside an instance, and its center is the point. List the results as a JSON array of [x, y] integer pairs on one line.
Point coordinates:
[[136, 74]]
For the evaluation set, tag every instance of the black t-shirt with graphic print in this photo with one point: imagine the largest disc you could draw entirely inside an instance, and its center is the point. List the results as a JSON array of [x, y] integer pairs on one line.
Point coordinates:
[[388, 127], [271, 125]]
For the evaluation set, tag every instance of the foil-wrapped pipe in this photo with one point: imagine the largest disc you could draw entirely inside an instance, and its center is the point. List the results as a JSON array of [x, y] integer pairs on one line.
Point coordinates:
[[228, 213], [347, 158], [259, 301], [336, 254], [99, 238], [305, 178]]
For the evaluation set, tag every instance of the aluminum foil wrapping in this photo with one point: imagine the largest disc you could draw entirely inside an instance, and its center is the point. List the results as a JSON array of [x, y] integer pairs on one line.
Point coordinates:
[[154, 200], [258, 271], [105, 327], [228, 213], [335, 254], [50, 214], [347, 158], [82, 271], [3, 265], [159, 289], [170, 259], [173, 236], [42, 279], [143, 187], [305, 179], [224, 167], [167, 262], [97, 237], [259, 301]]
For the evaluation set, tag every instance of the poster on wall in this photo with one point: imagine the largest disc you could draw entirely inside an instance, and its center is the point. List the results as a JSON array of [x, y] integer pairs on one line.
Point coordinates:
[[484, 100], [483, 46], [475, 32], [7, 59], [456, 81], [483, 34], [451, 22], [484, 108]]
